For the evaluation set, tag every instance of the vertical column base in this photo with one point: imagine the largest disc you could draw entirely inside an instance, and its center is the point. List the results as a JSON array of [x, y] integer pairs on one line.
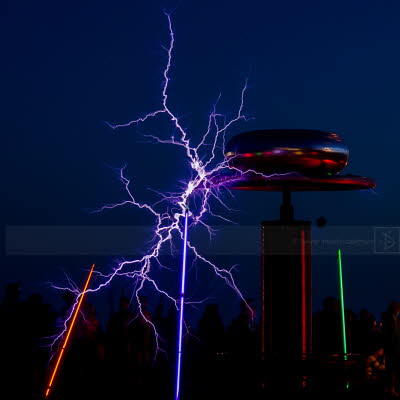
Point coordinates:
[[286, 301]]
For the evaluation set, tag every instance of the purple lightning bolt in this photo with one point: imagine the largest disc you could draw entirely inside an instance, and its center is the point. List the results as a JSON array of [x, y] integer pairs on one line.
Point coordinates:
[[169, 221]]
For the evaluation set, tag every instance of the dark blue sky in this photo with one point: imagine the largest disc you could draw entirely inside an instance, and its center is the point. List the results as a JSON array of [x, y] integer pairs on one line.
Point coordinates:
[[68, 66]]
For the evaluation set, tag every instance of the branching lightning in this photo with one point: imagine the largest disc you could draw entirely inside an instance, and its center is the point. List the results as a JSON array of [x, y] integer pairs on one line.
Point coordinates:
[[169, 221]]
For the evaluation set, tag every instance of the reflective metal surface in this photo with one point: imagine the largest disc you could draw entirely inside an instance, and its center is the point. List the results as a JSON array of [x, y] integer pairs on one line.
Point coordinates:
[[309, 152], [293, 182]]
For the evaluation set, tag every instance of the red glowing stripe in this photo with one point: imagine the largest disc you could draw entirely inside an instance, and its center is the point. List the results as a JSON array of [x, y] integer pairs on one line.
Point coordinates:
[[327, 161], [303, 296], [68, 333]]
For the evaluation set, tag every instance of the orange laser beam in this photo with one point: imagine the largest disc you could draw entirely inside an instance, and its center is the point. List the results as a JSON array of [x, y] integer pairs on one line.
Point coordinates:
[[68, 333]]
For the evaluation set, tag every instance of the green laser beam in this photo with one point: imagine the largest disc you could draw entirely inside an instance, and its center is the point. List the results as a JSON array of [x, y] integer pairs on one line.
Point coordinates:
[[339, 257]]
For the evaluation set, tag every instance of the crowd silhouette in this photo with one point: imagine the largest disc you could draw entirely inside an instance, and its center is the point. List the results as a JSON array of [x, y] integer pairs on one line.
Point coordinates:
[[122, 360]]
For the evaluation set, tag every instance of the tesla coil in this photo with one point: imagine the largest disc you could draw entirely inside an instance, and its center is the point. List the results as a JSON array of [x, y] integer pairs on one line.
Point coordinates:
[[287, 160]]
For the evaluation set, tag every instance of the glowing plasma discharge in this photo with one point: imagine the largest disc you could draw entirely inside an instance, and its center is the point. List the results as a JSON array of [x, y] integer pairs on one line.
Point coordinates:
[[205, 159]]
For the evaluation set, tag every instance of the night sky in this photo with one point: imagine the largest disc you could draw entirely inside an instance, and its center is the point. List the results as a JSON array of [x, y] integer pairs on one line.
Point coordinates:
[[69, 66]]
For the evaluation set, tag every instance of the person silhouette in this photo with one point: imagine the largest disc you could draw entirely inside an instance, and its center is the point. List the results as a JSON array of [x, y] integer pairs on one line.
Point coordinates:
[[391, 340]]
